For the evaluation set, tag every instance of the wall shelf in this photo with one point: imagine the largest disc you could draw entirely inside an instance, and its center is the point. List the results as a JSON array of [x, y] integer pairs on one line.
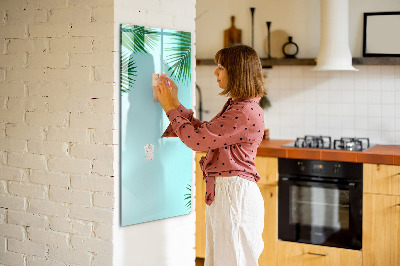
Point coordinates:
[[312, 61], [376, 61]]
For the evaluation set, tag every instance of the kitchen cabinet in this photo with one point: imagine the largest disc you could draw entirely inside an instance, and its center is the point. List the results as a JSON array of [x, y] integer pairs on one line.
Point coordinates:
[[381, 179], [270, 233], [291, 253], [200, 209], [381, 221], [381, 230], [267, 168], [381, 215]]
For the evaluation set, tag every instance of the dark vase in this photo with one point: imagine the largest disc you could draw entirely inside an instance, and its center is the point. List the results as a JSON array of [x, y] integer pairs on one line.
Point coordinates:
[[290, 49]]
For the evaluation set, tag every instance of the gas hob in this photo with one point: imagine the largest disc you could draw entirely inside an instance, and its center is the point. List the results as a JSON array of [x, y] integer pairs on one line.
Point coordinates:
[[325, 142]]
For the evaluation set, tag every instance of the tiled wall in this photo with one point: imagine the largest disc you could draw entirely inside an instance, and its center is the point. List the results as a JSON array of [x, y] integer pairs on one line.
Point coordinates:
[[338, 104]]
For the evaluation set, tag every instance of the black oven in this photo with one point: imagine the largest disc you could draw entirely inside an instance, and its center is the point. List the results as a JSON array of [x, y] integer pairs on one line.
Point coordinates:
[[320, 202]]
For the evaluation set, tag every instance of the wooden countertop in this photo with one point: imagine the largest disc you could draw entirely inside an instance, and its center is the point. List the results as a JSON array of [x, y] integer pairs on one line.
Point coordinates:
[[379, 154]]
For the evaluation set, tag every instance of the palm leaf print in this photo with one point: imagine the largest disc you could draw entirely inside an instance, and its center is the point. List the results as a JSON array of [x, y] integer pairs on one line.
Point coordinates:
[[179, 58], [139, 39], [135, 39], [128, 71], [188, 197]]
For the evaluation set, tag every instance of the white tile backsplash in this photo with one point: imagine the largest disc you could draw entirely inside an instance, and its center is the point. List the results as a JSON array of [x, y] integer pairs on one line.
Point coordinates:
[[397, 123], [361, 110], [374, 110], [397, 72], [388, 83], [388, 97], [361, 125], [348, 95], [322, 95], [387, 124], [374, 97], [374, 83], [347, 110], [387, 72], [388, 110], [364, 103]]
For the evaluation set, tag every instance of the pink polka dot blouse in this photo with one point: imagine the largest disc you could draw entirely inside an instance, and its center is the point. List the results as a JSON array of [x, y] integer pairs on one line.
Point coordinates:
[[231, 139]]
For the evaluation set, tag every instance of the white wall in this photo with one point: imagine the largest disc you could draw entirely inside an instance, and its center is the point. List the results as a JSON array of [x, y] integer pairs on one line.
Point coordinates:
[[168, 241], [56, 121], [299, 18], [338, 104]]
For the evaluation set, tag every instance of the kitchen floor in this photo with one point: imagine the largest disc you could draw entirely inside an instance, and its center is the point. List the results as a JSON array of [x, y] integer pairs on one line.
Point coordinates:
[[199, 262]]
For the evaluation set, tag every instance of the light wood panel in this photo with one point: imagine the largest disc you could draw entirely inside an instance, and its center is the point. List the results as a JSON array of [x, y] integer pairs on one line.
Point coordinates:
[[381, 179], [267, 168], [297, 254], [270, 233], [381, 230], [200, 209]]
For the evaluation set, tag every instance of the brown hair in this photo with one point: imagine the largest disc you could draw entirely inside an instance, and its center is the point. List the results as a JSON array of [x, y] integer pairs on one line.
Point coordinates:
[[245, 78]]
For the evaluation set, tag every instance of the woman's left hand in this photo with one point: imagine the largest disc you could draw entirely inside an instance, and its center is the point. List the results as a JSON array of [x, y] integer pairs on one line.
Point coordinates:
[[164, 94]]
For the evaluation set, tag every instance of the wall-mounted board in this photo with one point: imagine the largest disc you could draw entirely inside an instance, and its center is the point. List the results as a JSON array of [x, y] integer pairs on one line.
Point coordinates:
[[155, 172]]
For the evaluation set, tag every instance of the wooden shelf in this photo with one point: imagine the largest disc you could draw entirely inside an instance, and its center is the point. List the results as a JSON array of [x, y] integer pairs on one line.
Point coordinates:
[[288, 62], [376, 61], [312, 61]]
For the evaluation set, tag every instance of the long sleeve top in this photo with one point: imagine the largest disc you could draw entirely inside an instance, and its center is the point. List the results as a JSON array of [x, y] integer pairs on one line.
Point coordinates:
[[231, 139]]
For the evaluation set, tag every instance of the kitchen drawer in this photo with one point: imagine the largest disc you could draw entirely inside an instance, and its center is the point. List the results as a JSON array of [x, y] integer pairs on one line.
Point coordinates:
[[267, 168], [381, 179], [298, 254]]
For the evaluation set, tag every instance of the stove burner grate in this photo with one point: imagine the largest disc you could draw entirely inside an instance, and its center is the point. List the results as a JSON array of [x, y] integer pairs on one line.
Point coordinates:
[[351, 144], [321, 142]]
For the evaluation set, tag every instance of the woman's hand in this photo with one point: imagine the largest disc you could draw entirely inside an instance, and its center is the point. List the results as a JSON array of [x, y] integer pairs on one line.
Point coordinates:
[[174, 92], [164, 94]]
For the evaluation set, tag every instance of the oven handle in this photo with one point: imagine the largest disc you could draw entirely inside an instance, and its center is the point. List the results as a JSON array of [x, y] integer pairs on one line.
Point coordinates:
[[297, 181]]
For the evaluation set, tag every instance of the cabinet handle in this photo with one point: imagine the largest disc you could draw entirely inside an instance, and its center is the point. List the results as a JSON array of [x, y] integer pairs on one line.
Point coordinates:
[[398, 204], [318, 254]]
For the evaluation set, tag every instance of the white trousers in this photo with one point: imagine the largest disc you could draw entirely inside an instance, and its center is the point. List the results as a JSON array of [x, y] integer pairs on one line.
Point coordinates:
[[234, 223]]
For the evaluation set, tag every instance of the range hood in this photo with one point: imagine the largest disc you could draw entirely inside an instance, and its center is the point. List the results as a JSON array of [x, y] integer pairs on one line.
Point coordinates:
[[334, 51]]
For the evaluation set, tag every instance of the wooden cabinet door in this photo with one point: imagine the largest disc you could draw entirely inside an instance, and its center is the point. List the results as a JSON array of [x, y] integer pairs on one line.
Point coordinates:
[[297, 254], [381, 179], [270, 233], [200, 209], [381, 230], [267, 168]]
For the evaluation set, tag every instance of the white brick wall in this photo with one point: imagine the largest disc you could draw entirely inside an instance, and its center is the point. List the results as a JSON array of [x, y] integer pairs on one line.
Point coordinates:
[[56, 127]]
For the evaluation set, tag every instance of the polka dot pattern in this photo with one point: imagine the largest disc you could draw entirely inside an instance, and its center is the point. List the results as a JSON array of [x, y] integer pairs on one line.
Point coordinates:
[[231, 139]]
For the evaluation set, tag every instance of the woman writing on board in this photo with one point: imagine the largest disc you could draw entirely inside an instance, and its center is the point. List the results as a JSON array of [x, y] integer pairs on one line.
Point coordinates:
[[235, 207]]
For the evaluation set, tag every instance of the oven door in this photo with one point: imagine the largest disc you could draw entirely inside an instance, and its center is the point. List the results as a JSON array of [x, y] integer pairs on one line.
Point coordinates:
[[321, 212]]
